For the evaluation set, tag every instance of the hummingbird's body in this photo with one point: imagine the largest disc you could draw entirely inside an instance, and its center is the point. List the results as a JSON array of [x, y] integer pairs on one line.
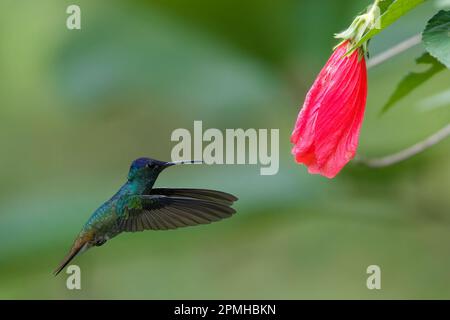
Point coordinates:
[[137, 206]]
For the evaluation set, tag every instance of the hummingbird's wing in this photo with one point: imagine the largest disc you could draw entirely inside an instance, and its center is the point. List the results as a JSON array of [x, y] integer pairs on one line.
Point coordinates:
[[202, 194], [163, 212]]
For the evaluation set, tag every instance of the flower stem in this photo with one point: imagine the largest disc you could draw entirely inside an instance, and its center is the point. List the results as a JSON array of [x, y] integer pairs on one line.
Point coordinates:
[[395, 50], [374, 7], [406, 153], [360, 26]]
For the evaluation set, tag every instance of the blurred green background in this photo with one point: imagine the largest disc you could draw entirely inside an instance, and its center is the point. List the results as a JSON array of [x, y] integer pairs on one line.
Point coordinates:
[[78, 106]]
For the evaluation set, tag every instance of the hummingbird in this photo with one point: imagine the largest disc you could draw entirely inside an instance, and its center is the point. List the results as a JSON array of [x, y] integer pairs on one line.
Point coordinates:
[[137, 206]]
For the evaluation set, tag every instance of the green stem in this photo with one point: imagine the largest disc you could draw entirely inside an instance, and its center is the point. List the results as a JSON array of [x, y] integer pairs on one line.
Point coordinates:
[[406, 153], [374, 6]]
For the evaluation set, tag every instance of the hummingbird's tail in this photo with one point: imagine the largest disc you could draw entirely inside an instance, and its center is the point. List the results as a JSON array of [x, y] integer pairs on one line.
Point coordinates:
[[80, 244]]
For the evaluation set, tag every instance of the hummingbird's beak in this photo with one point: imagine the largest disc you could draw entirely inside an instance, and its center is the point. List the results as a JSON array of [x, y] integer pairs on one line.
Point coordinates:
[[174, 163]]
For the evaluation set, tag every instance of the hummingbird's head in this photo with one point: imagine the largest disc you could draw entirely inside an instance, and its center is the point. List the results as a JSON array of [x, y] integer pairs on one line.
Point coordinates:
[[146, 168]]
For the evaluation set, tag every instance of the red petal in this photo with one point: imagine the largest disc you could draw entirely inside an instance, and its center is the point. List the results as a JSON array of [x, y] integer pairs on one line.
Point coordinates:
[[327, 128]]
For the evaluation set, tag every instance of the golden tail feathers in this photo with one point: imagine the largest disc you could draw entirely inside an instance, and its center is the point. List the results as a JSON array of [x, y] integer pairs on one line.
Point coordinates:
[[79, 245]]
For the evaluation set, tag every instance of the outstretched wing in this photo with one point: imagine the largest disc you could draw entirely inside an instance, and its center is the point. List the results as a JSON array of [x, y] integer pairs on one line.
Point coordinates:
[[175, 208], [201, 194]]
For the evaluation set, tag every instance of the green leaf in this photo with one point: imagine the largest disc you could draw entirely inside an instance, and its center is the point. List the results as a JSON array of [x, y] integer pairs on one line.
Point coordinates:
[[436, 37], [414, 79], [384, 5], [390, 11]]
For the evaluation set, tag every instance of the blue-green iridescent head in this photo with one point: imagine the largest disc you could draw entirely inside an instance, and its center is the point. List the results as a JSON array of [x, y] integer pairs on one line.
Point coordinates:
[[146, 168]]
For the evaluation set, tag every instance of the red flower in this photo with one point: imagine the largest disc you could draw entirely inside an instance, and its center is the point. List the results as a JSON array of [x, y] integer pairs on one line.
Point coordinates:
[[327, 129]]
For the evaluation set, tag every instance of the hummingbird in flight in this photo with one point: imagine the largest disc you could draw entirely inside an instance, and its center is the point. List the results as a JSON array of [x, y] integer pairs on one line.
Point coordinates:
[[137, 206]]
